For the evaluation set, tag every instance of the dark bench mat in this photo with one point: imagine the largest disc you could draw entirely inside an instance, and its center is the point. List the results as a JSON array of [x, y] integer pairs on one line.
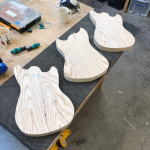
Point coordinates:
[[77, 92]]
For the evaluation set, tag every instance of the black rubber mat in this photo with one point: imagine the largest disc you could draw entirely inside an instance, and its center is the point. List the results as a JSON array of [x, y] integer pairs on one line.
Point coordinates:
[[77, 92]]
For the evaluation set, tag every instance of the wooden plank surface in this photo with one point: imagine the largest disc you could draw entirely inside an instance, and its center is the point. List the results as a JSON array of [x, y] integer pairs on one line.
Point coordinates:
[[82, 62], [42, 108], [110, 35], [125, 6], [45, 37]]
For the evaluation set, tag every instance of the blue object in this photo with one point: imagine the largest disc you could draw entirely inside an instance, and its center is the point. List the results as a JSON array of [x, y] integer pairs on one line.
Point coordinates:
[[40, 26], [3, 67], [68, 3], [17, 22], [29, 30], [140, 5]]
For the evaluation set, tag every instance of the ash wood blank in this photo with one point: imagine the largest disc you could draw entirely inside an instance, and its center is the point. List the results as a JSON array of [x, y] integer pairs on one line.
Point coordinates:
[[42, 108], [110, 35], [82, 62]]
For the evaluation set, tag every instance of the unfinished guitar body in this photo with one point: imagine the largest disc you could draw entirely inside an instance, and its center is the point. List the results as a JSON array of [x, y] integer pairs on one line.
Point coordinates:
[[82, 62], [110, 35], [42, 108]]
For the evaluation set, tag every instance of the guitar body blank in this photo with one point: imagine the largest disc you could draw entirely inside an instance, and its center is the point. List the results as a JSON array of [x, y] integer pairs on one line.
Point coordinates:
[[82, 62], [110, 35], [42, 108]]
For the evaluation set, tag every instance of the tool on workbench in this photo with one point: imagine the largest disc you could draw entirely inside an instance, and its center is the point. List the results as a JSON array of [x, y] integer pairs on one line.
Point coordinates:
[[17, 16], [18, 50], [3, 67], [39, 26], [31, 48], [72, 4], [24, 49]]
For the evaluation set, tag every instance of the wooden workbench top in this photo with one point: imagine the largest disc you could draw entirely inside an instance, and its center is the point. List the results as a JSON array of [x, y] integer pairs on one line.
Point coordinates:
[[45, 37]]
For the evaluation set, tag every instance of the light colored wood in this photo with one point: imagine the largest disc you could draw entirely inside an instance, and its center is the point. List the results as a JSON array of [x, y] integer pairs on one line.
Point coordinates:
[[110, 35], [101, 83], [82, 62], [43, 36], [125, 6], [42, 108]]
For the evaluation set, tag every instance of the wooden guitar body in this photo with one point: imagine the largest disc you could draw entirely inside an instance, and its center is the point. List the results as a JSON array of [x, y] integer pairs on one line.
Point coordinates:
[[110, 35], [82, 62], [42, 108]]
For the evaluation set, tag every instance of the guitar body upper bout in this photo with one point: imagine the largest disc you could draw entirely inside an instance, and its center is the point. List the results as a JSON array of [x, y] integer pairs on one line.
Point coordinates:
[[110, 35], [42, 107], [82, 62]]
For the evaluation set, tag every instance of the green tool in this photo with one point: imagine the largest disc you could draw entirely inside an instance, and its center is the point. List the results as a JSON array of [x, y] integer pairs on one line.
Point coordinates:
[[24, 49], [18, 50]]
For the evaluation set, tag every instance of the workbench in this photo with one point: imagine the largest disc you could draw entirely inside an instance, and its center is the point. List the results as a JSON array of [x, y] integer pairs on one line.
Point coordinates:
[[79, 93], [45, 37]]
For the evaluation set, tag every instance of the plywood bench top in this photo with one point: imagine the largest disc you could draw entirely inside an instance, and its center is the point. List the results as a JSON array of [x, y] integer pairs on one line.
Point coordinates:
[[43, 36]]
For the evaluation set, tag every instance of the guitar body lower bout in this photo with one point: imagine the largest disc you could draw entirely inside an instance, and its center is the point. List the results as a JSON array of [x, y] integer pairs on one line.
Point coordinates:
[[42, 108]]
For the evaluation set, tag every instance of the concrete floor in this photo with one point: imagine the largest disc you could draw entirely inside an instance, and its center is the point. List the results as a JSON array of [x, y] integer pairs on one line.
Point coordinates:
[[118, 116]]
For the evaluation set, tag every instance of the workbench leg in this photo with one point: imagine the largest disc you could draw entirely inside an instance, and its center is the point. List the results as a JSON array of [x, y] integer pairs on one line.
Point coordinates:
[[101, 82], [125, 6]]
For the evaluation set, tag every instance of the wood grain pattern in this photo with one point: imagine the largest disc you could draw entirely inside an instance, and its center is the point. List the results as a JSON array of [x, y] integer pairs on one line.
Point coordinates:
[[82, 62], [42, 108], [110, 35]]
